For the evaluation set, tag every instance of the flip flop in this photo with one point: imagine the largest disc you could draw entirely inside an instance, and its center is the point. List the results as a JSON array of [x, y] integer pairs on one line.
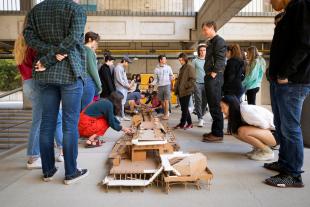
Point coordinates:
[[97, 142]]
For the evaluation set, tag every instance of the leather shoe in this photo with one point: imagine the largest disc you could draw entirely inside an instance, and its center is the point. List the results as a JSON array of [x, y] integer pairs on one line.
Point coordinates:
[[211, 138], [179, 126]]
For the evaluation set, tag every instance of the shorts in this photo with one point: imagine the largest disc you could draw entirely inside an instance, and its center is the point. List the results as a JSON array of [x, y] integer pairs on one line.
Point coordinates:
[[164, 92]]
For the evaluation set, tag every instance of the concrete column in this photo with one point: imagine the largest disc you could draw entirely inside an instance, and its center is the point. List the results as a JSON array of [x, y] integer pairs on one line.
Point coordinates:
[[26, 5], [220, 11]]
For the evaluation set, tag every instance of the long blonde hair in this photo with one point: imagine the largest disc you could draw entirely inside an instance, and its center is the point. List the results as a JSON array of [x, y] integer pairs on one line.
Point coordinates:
[[20, 46], [20, 49], [252, 56]]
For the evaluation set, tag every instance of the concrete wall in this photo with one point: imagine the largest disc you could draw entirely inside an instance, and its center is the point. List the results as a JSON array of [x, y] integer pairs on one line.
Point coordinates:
[[141, 28], [116, 28], [146, 5], [248, 29]]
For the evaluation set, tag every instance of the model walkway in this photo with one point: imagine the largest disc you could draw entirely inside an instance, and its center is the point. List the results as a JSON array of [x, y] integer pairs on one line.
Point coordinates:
[[237, 180]]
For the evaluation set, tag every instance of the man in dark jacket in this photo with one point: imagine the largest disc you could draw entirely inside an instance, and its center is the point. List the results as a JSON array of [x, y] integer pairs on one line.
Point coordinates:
[[289, 73], [214, 68], [107, 80]]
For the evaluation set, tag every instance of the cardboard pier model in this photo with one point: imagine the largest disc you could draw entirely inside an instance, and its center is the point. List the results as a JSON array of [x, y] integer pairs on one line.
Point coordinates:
[[151, 156]]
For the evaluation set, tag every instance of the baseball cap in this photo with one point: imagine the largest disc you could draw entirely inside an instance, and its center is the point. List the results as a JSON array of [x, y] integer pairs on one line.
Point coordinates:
[[127, 59]]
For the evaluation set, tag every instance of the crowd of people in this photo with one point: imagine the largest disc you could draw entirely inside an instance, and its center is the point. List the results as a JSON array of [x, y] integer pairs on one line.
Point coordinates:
[[71, 98]]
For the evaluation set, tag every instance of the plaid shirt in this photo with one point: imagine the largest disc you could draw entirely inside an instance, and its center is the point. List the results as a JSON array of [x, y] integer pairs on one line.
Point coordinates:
[[57, 27]]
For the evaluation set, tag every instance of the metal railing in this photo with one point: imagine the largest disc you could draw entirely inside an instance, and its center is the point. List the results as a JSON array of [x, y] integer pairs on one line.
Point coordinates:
[[116, 7], [257, 8]]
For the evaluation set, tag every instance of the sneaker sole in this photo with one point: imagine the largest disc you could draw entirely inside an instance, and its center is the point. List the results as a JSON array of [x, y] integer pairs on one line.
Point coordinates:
[[285, 186], [68, 182]]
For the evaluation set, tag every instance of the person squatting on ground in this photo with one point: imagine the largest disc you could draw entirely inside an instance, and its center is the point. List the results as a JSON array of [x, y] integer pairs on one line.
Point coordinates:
[[50, 32], [251, 124], [184, 89], [289, 74], [98, 116]]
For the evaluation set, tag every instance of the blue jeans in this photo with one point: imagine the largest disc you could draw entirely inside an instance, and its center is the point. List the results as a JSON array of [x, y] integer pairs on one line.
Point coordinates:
[[58, 132], [89, 92], [32, 92], [51, 95], [200, 100], [287, 101]]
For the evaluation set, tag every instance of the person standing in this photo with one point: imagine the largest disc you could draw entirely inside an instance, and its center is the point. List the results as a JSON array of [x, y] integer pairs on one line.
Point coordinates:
[[163, 76], [200, 90], [57, 27], [254, 74], [121, 82], [289, 72], [92, 85], [184, 88], [214, 69], [107, 81], [233, 72]]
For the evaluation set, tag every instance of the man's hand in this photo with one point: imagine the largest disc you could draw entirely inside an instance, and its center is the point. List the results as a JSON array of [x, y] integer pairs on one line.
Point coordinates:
[[39, 67], [213, 74], [282, 81], [128, 131], [60, 57]]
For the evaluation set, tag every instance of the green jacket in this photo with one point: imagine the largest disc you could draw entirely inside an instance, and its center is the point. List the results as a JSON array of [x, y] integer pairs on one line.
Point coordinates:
[[91, 66], [186, 81], [254, 78]]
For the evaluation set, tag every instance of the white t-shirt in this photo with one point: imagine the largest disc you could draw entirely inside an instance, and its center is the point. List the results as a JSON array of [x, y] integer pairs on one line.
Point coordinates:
[[257, 116], [163, 75]]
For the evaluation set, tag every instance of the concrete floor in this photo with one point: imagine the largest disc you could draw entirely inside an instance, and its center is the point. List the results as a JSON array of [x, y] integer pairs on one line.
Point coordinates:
[[237, 180]]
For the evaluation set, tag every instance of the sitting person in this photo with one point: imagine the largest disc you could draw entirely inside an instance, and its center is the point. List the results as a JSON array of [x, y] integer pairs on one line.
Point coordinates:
[[156, 103], [149, 90], [98, 116], [134, 101], [251, 124]]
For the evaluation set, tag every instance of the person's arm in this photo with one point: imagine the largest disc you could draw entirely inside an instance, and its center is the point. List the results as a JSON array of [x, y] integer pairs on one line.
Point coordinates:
[[252, 76], [33, 41], [119, 78], [301, 20], [219, 55], [230, 72], [105, 78], [92, 68], [75, 37], [191, 78], [110, 117]]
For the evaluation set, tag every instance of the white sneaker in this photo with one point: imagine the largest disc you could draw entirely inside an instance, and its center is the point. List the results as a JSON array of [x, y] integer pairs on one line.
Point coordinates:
[[262, 155], [126, 118], [250, 153], [59, 156], [36, 164], [200, 123]]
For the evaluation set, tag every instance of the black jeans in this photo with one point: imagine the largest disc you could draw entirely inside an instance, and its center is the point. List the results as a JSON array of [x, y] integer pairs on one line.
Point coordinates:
[[186, 116], [251, 95], [214, 96]]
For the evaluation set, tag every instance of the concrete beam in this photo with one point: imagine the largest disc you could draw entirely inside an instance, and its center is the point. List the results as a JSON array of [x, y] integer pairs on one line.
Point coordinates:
[[220, 11]]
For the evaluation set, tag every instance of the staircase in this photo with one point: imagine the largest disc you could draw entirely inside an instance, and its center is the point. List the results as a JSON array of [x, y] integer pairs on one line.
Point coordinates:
[[14, 129]]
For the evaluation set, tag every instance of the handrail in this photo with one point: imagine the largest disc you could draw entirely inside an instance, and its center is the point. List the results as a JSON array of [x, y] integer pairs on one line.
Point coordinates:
[[11, 92], [15, 125]]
